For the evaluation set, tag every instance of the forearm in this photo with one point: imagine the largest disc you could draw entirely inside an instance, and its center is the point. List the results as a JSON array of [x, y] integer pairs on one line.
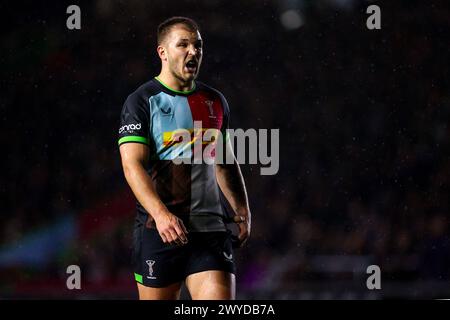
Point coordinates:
[[142, 187], [231, 182]]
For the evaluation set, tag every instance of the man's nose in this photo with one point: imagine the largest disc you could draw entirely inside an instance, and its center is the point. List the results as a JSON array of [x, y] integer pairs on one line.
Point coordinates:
[[193, 50]]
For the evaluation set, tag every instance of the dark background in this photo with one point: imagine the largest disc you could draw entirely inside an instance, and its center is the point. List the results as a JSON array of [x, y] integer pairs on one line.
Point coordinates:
[[364, 143]]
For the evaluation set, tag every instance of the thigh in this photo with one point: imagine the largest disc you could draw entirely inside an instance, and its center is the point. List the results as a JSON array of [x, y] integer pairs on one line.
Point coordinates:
[[211, 285], [158, 266], [210, 269], [171, 292]]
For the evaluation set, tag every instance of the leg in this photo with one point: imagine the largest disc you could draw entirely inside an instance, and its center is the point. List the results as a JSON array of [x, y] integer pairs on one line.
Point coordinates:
[[158, 267], [211, 285], [171, 292]]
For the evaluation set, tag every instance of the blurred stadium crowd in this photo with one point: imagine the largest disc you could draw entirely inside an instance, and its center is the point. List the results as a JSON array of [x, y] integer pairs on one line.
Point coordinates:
[[364, 143]]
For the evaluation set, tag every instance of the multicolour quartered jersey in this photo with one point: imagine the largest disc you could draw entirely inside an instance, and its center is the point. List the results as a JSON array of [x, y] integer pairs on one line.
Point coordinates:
[[155, 115]]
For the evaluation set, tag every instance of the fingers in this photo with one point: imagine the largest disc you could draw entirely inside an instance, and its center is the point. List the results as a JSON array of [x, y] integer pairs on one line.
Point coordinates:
[[239, 219], [163, 237], [243, 236], [169, 236], [175, 239], [181, 231], [184, 228], [244, 233], [174, 232]]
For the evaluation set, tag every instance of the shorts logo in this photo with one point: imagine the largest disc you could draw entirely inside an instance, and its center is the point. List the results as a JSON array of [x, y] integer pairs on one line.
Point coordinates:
[[130, 127], [229, 257], [150, 264]]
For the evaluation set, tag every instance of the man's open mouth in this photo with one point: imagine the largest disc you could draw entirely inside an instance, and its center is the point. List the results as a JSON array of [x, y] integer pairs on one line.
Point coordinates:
[[191, 66]]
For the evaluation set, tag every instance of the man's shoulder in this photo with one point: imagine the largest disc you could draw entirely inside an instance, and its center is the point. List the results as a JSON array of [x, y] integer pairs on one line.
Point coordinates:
[[204, 87], [146, 90]]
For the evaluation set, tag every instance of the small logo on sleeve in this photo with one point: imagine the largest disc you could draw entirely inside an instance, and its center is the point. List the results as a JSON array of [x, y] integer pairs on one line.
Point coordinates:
[[130, 127]]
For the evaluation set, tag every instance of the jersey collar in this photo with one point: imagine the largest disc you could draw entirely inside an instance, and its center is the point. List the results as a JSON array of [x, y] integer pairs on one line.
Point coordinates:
[[176, 91]]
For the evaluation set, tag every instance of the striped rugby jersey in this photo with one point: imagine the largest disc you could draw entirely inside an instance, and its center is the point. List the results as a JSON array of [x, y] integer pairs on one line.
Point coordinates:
[[153, 115]]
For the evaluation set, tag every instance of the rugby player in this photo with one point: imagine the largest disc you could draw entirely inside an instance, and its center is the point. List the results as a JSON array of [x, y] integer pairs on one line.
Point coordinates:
[[180, 232]]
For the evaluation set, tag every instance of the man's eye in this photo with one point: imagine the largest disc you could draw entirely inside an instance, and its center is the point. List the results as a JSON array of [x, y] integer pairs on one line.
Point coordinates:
[[182, 45]]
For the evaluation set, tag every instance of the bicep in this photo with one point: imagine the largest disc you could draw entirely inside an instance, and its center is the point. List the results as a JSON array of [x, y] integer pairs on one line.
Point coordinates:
[[134, 153]]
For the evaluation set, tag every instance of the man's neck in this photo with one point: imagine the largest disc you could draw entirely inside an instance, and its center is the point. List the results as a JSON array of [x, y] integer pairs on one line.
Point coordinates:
[[175, 84]]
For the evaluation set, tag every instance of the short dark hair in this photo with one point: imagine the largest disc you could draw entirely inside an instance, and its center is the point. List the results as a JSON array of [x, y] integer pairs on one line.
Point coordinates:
[[166, 25]]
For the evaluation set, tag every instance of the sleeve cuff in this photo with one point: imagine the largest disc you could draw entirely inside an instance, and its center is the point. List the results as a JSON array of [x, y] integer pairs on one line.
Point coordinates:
[[133, 139]]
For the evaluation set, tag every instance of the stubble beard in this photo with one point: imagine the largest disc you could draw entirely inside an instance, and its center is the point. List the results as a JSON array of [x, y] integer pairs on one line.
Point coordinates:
[[179, 74]]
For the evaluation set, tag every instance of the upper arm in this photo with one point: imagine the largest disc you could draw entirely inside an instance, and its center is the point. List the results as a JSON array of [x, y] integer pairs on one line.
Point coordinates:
[[226, 118], [135, 120], [226, 149], [134, 133], [134, 153]]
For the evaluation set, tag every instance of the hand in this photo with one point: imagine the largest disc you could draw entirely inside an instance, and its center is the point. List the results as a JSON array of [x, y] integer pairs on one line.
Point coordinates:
[[171, 229], [244, 225]]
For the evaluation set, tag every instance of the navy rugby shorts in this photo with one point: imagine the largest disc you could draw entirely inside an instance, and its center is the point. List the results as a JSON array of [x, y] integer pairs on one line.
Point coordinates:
[[158, 264]]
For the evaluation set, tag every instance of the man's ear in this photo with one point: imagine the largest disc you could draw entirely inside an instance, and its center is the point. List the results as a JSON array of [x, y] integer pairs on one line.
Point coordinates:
[[162, 53]]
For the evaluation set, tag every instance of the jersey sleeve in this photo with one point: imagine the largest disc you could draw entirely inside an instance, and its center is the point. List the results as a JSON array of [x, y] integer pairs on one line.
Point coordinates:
[[135, 121]]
